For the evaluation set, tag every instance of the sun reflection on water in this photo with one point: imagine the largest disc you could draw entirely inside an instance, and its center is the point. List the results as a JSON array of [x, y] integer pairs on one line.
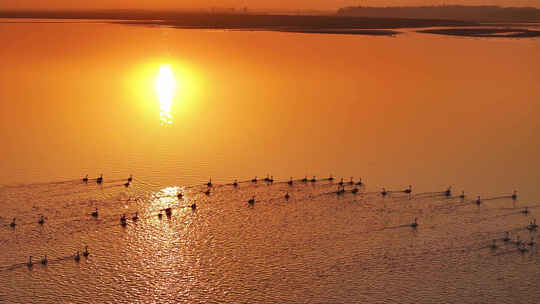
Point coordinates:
[[166, 197], [165, 86]]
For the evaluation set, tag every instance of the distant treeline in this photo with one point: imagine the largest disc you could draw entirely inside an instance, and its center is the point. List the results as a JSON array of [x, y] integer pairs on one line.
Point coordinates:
[[454, 12]]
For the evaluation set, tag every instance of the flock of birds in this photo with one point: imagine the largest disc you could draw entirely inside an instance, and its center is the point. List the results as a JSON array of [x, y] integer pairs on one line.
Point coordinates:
[[522, 246], [45, 261]]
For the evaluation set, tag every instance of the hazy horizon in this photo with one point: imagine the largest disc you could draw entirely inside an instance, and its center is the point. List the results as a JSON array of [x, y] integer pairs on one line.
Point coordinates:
[[258, 5]]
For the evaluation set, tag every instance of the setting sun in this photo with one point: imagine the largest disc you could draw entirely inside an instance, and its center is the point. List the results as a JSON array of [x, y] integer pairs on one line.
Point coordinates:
[[165, 85]]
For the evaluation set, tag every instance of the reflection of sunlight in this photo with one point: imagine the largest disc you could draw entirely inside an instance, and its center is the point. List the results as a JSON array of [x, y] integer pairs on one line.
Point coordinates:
[[166, 197], [161, 238], [165, 86], [165, 91]]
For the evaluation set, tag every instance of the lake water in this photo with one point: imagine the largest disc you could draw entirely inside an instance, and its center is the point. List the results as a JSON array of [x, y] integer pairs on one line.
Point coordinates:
[[415, 109]]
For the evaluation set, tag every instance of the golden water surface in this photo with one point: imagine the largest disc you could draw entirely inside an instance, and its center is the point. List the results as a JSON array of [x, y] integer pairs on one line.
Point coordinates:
[[176, 107]]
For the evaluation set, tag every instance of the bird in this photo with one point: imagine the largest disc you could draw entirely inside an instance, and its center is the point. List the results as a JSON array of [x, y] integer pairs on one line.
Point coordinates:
[[267, 178], [313, 179], [194, 206], [41, 220], [290, 182], [123, 220], [207, 192], [85, 252], [44, 260], [130, 178], [254, 180], [462, 195], [235, 184], [95, 213], [494, 244], [384, 192], [340, 190], [180, 195], [525, 211], [330, 178], [160, 215], [304, 180], [13, 224], [77, 257], [514, 195], [287, 196], [85, 179], [351, 181], [126, 184], [209, 184], [478, 200], [99, 180], [341, 182], [415, 223], [523, 249], [251, 200], [168, 211], [354, 190], [359, 182], [448, 191], [531, 242], [506, 237], [271, 179], [29, 263], [532, 225], [518, 241], [408, 190], [135, 217]]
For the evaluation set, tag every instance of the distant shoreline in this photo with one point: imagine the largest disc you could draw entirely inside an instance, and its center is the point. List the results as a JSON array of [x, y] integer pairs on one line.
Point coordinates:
[[307, 24], [485, 32], [239, 21], [476, 13]]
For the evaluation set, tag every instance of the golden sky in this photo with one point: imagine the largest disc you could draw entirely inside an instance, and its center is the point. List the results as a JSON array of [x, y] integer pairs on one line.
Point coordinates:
[[254, 4]]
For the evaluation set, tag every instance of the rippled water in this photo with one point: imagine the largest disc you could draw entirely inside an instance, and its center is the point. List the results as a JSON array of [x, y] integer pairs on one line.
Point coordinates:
[[372, 107], [315, 247]]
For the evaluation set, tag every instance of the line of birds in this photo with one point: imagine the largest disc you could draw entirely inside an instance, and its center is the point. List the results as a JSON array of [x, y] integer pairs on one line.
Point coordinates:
[[99, 180], [45, 261], [341, 184]]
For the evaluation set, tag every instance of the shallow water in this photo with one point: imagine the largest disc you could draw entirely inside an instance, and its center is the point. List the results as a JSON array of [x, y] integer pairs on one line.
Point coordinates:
[[417, 109]]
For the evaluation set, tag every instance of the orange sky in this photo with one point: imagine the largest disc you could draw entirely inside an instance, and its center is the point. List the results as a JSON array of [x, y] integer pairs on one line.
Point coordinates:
[[254, 4]]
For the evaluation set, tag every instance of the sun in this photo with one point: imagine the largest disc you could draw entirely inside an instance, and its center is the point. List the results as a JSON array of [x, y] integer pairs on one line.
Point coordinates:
[[165, 86]]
